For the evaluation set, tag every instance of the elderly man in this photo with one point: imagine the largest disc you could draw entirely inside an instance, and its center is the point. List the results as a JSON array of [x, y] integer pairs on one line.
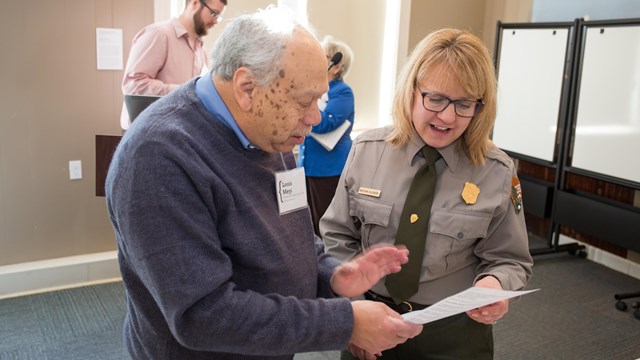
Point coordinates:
[[215, 241]]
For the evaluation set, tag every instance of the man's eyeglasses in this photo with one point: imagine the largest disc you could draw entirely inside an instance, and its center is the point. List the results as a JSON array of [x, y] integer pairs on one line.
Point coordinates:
[[438, 103], [214, 13]]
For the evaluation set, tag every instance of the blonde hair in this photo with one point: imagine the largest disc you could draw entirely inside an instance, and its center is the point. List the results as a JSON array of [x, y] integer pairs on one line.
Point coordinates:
[[464, 59], [331, 47]]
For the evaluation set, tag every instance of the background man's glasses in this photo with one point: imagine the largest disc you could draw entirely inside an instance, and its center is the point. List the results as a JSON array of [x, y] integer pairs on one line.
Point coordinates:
[[438, 103], [215, 14]]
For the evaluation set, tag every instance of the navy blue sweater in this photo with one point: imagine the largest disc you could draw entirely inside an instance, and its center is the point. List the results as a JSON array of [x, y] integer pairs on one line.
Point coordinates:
[[211, 270]]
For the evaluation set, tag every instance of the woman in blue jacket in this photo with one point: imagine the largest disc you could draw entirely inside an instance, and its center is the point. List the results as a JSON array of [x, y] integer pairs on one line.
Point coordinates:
[[322, 166]]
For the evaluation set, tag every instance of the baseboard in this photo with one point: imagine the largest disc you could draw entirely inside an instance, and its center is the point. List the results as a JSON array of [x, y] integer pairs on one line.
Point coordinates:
[[55, 274], [605, 258]]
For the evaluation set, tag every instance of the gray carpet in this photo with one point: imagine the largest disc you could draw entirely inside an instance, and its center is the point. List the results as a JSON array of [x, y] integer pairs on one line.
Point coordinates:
[[82, 323], [572, 317]]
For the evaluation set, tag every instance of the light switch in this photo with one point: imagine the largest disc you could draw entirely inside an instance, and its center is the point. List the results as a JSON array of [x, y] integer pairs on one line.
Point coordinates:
[[75, 170]]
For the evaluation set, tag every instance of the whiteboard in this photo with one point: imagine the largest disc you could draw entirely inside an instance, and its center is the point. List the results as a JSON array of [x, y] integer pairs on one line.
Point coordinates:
[[607, 127], [530, 77]]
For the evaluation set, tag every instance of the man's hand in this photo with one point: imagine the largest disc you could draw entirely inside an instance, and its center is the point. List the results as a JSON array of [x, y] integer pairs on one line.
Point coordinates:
[[361, 354], [377, 328], [355, 277], [489, 314]]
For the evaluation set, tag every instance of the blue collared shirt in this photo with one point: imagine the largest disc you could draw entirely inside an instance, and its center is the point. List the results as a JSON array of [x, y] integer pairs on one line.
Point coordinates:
[[208, 94]]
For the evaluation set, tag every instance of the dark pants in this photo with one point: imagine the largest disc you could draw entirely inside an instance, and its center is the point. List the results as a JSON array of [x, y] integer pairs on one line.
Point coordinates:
[[320, 191], [456, 337]]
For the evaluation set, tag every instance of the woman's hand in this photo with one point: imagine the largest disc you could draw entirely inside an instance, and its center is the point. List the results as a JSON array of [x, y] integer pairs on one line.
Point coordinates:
[[489, 314]]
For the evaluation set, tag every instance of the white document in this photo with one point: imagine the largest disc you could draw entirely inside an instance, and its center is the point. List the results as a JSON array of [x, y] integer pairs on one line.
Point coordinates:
[[109, 49], [330, 139], [463, 301]]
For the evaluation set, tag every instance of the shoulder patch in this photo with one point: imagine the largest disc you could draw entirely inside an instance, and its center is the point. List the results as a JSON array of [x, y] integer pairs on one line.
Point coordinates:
[[516, 194]]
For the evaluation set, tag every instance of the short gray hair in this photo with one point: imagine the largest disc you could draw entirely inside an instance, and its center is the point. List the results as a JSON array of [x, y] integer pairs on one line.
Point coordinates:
[[255, 41]]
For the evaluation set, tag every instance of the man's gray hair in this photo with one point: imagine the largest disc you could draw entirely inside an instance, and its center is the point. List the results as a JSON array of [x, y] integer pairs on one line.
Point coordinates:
[[255, 41]]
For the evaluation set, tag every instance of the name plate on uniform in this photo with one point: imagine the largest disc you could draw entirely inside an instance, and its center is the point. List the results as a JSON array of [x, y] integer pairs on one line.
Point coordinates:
[[369, 192]]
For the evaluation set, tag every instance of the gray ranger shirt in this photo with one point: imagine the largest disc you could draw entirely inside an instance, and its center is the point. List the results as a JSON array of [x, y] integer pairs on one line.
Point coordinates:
[[465, 241]]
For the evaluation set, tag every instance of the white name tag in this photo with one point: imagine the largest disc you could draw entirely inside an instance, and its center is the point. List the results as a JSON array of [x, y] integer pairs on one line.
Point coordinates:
[[291, 190], [369, 192]]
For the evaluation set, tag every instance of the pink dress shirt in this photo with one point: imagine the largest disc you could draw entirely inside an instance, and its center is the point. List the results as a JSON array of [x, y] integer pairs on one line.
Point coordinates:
[[160, 60]]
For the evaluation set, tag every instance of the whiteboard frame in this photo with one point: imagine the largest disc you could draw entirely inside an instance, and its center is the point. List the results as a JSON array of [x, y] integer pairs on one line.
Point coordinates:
[[546, 156], [573, 121]]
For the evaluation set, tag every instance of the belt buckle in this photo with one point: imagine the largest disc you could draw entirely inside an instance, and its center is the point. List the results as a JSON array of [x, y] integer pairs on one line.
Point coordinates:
[[409, 306]]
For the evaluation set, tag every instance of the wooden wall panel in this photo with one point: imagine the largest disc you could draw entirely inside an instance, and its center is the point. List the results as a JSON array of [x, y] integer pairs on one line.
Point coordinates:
[[105, 147], [541, 172], [574, 182], [53, 102]]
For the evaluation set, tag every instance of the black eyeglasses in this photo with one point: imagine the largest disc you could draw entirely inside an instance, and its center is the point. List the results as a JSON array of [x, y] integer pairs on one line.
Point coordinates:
[[438, 103], [214, 13]]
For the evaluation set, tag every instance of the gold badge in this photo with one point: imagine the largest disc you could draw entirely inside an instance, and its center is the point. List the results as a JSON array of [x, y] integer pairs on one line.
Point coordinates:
[[413, 218], [470, 193], [516, 194]]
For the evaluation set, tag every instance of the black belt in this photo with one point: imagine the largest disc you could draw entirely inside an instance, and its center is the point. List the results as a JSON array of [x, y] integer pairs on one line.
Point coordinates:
[[402, 308]]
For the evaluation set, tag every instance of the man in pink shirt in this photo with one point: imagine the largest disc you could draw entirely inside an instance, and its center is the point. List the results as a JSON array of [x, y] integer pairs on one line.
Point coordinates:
[[164, 55]]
